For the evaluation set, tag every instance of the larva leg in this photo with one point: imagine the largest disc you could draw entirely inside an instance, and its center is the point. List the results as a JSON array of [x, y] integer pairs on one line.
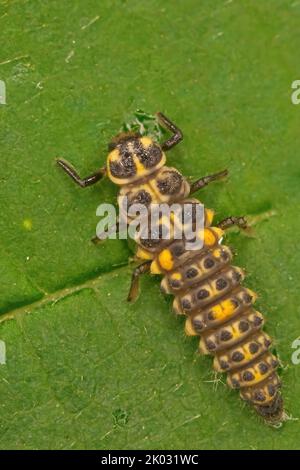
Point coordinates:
[[177, 134], [239, 222], [134, 287], [83, 183], [202, 182]]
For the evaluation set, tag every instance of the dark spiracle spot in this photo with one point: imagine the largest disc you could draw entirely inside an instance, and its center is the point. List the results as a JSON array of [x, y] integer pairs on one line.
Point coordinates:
[[171, 184], [178, 250], [257, 321], [198, 324], [174, 283], [234, 302], [248, 376], [209, 263], [210, 345], [275, 363], [236, 276], [263, 368], [243, 326], [237, 356], [247, 298], [253, 348], [191, 272], [225, 335], [210, 316], [271, 390], [224, 365], [202, 294], [186, 304], [267, 342], [221, 283], [224, 255], [259, 396], [235, 383]]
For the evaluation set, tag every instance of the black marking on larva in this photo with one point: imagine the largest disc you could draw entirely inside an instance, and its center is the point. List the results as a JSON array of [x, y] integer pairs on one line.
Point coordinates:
[[124, 168], [236, 276], [178, 250], [253, 348], [171, 183], [235, 383], [271, 390], [275, 363], [209, 263], [141, 197], [221, 283], [248, 376], [247, 298], [174, 283], [202, 294], [257, 320], [268, 342], [198, 324], [237, 356], [224, 255], [210, 316], [263, 367], [225, 335], [244, 326], [224, 365], [191, 272], [259, 396], [149, 156], [186, 304], [210, 345]]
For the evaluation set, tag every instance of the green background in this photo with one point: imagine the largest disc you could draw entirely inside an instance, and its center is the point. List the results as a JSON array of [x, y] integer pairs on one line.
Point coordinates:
[[84, 369]]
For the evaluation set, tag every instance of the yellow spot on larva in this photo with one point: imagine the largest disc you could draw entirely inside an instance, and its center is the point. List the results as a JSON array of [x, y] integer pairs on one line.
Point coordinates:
[[217, 253], [189, 330], [154, 268], [146, 141], [209, 237], [27, 224], [166, 260], [143, 254], [209, 213], [113, 155], [140, 169], [217, 311], [177, 276]]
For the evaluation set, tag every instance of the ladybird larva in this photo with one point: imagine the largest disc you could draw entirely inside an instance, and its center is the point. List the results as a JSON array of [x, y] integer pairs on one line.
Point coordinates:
[[207, 289]]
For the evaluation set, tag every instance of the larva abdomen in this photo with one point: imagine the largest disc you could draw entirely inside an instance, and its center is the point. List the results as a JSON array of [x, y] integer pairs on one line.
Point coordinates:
[[208, 290]]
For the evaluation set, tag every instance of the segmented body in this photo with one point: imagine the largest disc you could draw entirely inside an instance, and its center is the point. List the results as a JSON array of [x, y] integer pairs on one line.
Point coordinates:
[[206, 287], [208, 290]]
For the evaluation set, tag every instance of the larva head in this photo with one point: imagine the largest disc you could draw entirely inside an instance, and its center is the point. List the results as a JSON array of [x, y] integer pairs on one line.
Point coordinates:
[[133, 157]]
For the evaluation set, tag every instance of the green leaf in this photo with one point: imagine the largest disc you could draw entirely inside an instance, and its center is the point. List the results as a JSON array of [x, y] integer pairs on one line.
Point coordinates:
[[83, 369]]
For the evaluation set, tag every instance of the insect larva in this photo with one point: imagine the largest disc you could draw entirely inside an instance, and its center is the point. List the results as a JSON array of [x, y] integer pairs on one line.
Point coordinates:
[[206, 287]]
